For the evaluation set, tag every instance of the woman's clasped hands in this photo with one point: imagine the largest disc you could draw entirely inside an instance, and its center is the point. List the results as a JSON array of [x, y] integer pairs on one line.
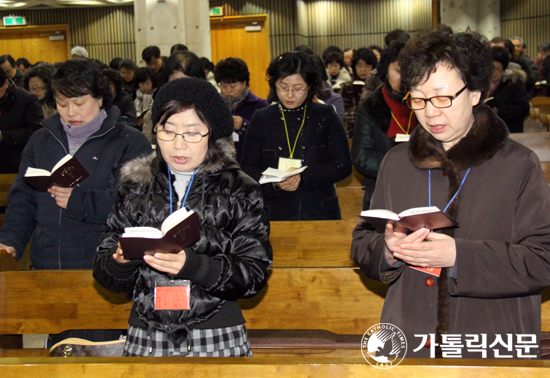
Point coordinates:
[[420, 248]]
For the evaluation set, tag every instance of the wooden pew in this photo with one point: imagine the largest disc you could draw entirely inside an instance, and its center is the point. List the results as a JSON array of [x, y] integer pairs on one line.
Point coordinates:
[[344, 363], [540, 107], [322, 244]]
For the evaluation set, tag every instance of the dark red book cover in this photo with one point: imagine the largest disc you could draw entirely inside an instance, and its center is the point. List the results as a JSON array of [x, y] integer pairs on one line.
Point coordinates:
[[184, 234], [67, 175], [428, 218]]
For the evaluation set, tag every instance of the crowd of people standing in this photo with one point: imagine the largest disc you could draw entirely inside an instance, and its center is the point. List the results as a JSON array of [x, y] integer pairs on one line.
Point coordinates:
[[442, 103]]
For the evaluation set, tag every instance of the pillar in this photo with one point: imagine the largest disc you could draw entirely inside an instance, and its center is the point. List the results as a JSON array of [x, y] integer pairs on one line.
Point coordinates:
[[164, 23], [479, 15]]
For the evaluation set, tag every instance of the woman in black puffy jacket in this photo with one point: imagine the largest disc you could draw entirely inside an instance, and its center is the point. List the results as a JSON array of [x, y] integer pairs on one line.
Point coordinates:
[[194, 167]]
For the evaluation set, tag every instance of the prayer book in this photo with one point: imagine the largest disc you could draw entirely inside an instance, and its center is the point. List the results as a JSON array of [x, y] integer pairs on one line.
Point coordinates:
[[180, 230], [412, 219], [66, 173], [277, 175]]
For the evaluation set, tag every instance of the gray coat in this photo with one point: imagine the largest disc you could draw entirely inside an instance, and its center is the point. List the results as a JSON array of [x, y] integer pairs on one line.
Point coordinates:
[[502, 243]]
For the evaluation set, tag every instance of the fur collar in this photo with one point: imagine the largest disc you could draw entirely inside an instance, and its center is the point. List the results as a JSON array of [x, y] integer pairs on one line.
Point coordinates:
[[486, 137], [142, 169]]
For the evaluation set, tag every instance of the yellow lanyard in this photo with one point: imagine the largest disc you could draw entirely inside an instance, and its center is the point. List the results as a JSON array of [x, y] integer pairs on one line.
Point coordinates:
[[398, 124], [297, 136]]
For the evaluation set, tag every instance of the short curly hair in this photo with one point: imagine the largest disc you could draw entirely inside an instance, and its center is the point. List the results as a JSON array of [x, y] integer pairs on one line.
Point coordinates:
[[468, 52], [366, 55], [81, 77], [231, 70], [291, 63]]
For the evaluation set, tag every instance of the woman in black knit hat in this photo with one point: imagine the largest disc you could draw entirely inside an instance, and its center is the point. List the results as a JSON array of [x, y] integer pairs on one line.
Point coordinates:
[[193, 168]]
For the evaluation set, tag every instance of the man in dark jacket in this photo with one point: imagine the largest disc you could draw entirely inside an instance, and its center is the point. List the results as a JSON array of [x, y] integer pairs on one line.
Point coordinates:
[[526, 64], [20, 116], [14, 74]]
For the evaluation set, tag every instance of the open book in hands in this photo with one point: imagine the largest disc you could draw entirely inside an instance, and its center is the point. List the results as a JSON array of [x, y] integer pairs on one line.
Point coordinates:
[[410, 220], [180, 230], [276, 175], [66, 174]]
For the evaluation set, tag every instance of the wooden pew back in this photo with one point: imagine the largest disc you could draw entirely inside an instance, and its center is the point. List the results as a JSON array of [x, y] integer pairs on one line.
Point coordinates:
[[338, 300]]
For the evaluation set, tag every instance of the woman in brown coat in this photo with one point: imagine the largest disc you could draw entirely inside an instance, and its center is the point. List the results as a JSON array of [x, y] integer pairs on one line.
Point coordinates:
[[496, 262]]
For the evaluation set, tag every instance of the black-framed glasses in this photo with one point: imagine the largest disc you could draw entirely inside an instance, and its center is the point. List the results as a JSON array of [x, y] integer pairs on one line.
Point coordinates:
[[437, 101], [170, 136]]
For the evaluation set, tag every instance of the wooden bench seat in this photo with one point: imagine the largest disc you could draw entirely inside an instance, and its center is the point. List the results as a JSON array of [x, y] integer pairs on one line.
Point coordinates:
[[318, 364]]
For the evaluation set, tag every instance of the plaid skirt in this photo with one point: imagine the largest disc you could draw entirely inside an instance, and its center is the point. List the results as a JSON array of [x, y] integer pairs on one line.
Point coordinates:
[[218, 342]]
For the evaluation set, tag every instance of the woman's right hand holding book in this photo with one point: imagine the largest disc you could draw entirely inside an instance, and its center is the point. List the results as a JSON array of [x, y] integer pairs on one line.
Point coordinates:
[[396, 237]]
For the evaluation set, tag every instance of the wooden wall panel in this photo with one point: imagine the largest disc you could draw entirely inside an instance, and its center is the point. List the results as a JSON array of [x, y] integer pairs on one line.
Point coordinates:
[[230, 39], [33, 43], [529, 19], [106, 32]]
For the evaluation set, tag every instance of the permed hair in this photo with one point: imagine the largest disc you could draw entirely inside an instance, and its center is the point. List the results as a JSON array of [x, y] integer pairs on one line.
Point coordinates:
[[468, 52], [187, 63], [81, 77], [144, 73], [500, 54], [231, 70], [291, 63], [366, 55]]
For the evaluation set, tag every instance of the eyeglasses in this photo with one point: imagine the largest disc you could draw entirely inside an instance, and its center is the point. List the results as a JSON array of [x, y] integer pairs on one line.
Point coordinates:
[[437, 101], [291, 90], [36, 88], [226, 86], [169, 136]]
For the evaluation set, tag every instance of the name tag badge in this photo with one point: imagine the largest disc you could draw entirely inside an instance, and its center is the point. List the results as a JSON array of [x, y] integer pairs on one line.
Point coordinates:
[[285, 164], [235, 137], [175, 296], [399, 138]]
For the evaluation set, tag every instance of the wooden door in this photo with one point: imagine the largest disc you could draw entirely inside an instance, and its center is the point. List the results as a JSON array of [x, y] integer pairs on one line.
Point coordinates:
[[36, 43], [230, 38]]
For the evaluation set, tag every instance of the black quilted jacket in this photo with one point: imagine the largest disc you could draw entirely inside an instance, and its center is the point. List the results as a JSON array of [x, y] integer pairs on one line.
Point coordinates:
[[230, 261]]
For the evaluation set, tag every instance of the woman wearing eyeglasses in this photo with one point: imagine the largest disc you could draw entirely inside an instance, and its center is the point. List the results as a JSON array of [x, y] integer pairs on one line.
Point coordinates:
[[193, 168], [293, 133], [38, 81], [383, 121], [496, 262], [233, 79]]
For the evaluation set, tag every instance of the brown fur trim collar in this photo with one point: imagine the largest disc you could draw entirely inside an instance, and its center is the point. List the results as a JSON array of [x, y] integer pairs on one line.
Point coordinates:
[[139, 170], [487, 136]]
